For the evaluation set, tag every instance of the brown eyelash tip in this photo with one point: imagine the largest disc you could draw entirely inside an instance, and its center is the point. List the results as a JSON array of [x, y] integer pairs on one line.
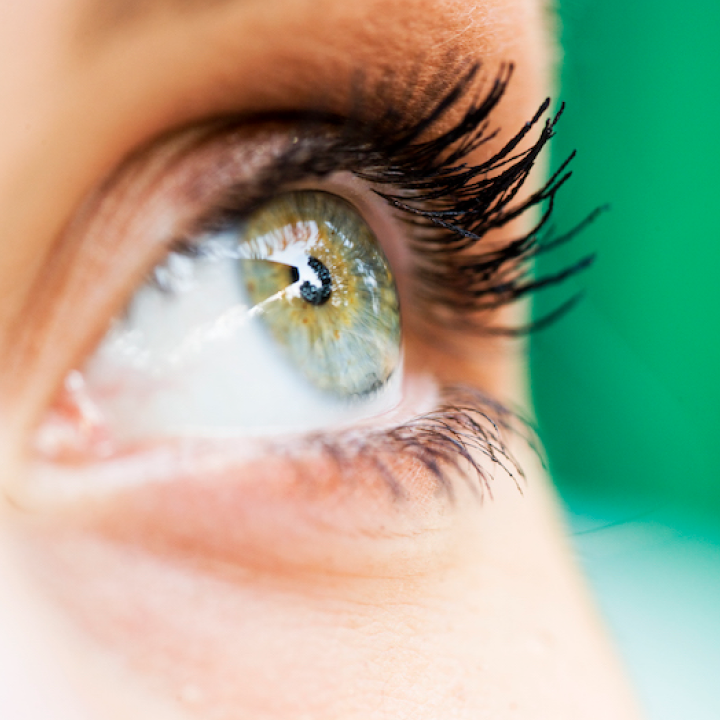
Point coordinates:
[[449, 444]]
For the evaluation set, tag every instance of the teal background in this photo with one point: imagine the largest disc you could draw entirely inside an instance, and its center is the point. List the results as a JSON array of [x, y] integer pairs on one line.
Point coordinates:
[[627, 387]]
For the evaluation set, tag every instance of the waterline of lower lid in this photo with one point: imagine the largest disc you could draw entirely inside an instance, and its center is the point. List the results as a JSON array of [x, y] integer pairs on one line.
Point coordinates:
[[165, 459]]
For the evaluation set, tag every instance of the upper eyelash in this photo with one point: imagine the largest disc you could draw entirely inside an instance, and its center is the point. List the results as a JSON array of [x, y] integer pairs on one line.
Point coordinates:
[[457, 204], [451, 204]]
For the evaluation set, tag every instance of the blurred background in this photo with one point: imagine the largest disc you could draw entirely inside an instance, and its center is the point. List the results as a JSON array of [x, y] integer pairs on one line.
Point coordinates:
[[627, 387]]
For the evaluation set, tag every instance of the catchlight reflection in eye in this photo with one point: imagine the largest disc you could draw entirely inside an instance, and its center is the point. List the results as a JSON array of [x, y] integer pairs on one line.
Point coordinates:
[[284, 322]]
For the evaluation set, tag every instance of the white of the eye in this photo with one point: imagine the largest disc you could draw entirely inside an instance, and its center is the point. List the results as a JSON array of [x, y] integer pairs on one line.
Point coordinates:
[[197, 361]]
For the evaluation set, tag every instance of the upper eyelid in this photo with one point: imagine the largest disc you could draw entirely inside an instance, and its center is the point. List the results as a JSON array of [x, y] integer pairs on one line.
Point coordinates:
[[390, 233], [240, 198], [330, 139]]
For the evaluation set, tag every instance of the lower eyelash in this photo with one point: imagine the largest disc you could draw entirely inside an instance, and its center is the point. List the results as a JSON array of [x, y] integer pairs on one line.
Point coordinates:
[[464, 437]]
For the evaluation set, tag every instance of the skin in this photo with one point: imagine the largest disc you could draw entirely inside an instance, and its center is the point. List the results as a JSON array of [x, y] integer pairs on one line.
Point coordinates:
[[245, 595]]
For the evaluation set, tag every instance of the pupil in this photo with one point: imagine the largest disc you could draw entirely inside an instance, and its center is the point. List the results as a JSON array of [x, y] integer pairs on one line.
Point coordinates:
[[316, 294]]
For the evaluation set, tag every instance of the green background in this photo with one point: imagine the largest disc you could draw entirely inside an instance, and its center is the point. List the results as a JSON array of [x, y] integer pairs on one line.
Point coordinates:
[[627, 387]]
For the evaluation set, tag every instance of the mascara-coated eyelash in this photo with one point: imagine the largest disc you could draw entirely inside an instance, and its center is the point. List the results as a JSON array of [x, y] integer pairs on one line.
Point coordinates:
[[450, 204], [457, 204]]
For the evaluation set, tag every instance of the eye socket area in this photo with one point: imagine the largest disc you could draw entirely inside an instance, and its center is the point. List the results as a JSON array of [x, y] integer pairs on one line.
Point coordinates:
[[287, 511]]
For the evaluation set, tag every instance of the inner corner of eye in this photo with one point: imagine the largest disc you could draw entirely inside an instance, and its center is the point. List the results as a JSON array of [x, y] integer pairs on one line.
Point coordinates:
[[288, 322]]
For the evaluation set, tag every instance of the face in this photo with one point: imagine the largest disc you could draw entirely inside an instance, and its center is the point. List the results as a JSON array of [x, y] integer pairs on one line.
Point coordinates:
[[263, 454]]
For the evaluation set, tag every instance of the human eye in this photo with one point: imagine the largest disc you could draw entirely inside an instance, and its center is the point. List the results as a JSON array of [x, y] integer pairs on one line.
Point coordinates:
[[273, 317], [285, 320]]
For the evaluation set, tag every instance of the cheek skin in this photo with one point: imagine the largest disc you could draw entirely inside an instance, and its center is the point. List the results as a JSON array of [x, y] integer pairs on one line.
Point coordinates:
[[494, 626]]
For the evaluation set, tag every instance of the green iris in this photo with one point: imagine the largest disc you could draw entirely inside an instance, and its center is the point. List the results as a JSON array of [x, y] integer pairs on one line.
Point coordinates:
[[322, 286]]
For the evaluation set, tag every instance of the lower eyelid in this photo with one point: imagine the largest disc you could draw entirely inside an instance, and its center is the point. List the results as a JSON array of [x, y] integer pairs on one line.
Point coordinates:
[[277, 515], [390, 487], [271, 524]]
